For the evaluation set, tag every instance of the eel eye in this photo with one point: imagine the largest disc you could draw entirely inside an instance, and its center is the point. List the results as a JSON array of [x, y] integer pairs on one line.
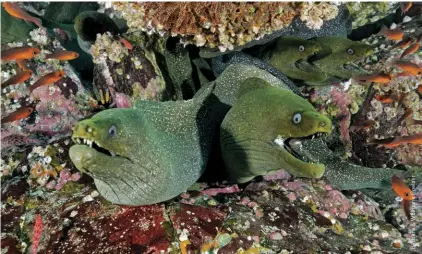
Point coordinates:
[[301, 48], [297, 118], [406, 194], [112, 131], [350, 51]]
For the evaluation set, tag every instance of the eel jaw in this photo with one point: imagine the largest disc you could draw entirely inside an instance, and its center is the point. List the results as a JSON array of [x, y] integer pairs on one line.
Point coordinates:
[[93, 144], [289, 144]]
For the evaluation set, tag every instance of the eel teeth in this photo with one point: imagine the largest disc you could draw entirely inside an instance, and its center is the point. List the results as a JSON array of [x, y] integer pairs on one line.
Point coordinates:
[[85, 141], [112, 154]]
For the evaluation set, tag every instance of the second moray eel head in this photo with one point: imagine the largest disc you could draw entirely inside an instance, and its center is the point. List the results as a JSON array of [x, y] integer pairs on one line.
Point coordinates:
[[256, 131], [289, 49]]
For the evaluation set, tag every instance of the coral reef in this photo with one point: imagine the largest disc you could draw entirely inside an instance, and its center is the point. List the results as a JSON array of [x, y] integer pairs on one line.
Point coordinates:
[[393, 119], [363, 13], [221, 25], [269, 216], [314, 14], [123, 75]]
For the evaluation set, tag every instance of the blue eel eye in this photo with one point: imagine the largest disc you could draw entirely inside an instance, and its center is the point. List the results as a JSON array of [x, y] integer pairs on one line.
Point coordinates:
[[112, 131], [297, 118]]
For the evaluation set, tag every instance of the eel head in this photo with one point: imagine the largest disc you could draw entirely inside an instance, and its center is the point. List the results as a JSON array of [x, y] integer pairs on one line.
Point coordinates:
[[103, 142], [256, 132], [290, 49]]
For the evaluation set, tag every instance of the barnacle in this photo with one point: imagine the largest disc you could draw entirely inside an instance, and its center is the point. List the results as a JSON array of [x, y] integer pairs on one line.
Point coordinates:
[[222, 25]]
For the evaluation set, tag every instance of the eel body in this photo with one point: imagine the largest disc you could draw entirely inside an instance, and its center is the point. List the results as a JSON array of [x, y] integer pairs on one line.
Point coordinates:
[[146, 154]]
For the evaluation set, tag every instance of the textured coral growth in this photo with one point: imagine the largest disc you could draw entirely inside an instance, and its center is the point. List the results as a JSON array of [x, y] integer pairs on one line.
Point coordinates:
[[214, 24]]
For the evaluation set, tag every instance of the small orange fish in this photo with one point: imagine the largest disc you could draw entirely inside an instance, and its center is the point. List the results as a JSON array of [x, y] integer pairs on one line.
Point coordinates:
[[397, 141], [23, 65], [382, 78], [404, 43], [401, 188], [362, 125], [420, 89], [405, 7], [17, 79], [63, 55], [388, 98], [395, 34], [18, 114], [46, 80], [411, 49], [410, 68], [19, 53], [127, 44], [403, 191], [14, 10]]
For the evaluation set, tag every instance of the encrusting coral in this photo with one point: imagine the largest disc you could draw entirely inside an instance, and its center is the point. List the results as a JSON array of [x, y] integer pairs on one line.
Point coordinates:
[[222, 25]]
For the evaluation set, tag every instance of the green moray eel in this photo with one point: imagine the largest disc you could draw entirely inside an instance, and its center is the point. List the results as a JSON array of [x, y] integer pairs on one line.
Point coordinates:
[[253, 133], [337, 52], [288, 51], [229, 81], [146, 154], [340, 173]]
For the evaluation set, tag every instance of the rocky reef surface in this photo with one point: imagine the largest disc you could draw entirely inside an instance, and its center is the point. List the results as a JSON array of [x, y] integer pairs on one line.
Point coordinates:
[[271, 216], [48, 206]]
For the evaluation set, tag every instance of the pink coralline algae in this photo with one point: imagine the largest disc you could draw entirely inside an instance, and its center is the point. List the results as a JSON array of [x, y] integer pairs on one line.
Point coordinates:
[[38, 226], [279, 175], [64, 177], [122, 101], [216, 191], [342, 101], [57, 114]]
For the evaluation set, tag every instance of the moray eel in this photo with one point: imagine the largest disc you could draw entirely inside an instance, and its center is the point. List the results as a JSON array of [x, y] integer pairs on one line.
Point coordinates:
[[146, 154], [288, 51], [337, 52], [255, 132], [340, 173]]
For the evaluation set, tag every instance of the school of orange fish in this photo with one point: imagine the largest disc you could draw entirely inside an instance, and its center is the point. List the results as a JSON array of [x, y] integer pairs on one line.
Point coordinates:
[[409, 45]]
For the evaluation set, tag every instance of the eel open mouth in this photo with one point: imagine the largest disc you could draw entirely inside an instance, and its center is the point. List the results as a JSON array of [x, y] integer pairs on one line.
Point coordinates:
[[93, 144], [288, 143]]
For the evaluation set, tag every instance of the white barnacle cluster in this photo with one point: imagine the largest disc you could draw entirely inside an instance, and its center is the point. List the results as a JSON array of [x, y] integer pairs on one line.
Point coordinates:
[[106, 47], [133, 14], [314, 14], [39, 35]]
